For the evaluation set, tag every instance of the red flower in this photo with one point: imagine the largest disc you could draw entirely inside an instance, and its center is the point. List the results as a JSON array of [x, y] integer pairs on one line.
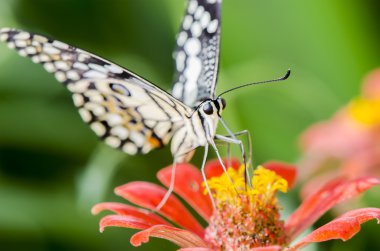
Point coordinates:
[[348, 144], [244, 218]]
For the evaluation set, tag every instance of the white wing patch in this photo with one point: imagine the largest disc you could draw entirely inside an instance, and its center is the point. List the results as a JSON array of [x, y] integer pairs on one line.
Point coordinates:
[[124, 110], [197, 53]]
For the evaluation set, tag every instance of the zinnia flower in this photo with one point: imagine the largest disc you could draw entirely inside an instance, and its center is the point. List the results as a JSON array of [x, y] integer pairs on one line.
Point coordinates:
[[245, 217], [348, 144]]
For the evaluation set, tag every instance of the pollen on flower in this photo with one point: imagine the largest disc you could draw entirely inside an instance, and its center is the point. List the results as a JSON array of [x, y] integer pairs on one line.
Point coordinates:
[[246, 217], [365, 111], [222, 187]]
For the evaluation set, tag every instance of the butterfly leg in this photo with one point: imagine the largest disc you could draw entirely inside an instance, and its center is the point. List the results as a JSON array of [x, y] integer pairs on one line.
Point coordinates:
[[228, 150], [240, 143], [236, 141], [204, 176], [221, 160], [170, 189], [229, 155], [249, 141], [172, 182]]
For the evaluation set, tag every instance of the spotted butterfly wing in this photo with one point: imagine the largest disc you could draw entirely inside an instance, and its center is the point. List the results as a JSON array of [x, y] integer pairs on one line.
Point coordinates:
[[197, 53], [124, 110]]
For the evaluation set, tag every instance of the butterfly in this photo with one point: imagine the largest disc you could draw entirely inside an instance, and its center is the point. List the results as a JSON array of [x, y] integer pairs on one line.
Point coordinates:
[[130, 113]]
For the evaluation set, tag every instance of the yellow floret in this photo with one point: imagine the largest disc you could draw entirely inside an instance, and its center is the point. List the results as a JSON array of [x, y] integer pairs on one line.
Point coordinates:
[[265, 184], [366, 111]]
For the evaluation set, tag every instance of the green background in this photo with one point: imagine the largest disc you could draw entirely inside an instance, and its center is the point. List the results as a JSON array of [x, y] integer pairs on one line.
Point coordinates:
[[53, 169]]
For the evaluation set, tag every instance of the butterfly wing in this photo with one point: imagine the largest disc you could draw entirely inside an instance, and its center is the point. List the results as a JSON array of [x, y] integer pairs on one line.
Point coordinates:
[[197, 52], [124, 110]]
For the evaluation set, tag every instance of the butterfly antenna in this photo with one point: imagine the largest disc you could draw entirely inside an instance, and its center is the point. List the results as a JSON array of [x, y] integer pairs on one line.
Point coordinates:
[[287, 74]]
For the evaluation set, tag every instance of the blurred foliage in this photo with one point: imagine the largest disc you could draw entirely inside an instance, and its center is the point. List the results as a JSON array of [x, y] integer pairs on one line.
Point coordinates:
[[52, 168]]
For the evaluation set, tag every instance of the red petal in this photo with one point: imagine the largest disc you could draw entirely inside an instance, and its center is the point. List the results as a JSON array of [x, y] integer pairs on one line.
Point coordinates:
[[328, 196], [214, 168], [269, 248], [317, 182], [123, 221], [286, 171], [180, 237], [123, 209], [149, 195], [188, 184], [343, 227]]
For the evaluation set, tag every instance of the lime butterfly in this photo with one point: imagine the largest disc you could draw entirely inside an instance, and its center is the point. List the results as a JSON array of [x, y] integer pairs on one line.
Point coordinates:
[[130, 113]]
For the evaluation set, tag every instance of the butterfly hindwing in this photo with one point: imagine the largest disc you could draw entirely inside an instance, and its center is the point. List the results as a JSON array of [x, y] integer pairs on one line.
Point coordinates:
[[124, 110], [197, 52]]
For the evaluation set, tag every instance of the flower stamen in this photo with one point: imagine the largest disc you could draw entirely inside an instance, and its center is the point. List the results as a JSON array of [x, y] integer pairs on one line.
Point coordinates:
[[365, 111], [246, 217]]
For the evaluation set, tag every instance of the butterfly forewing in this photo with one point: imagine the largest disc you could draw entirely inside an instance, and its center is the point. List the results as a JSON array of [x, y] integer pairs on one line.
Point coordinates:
[[197, 52], [124, 110]]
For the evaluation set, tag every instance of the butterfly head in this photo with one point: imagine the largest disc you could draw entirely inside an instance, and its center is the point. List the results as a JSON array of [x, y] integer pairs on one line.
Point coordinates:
[[209, 113], [212, 107]]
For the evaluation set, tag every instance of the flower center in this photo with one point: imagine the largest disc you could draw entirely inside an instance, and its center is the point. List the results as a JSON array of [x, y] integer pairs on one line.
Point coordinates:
[[366, 111], [246, 217]]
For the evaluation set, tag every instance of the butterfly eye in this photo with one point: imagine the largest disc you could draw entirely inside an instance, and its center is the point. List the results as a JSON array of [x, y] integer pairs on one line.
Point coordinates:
[[208, 109]]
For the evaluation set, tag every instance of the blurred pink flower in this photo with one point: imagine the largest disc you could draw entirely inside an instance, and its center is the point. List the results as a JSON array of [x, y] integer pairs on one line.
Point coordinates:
[[346, 145], [245, 218]]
